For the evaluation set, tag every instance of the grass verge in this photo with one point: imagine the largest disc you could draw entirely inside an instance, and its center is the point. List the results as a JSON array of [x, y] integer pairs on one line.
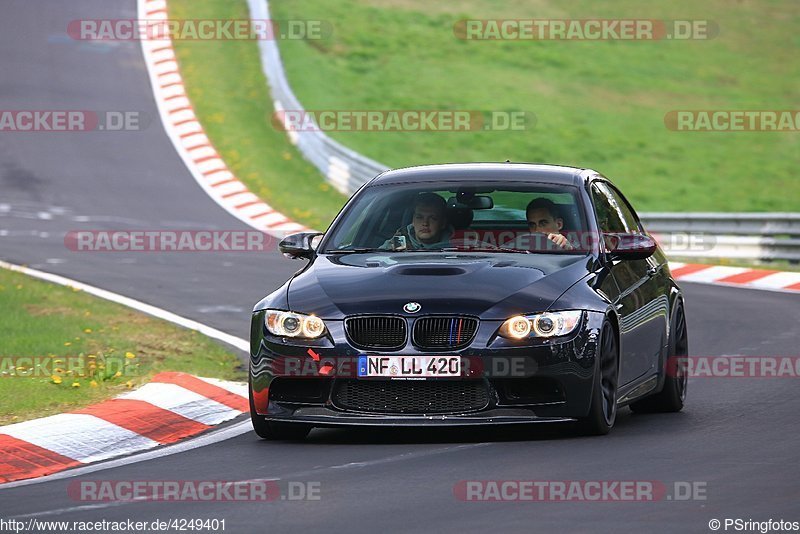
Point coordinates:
[[63, 349]]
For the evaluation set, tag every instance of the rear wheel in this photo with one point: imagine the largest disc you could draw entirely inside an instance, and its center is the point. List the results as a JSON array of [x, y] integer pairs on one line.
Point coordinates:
[[603, 410], [673, 395], [276, 431]]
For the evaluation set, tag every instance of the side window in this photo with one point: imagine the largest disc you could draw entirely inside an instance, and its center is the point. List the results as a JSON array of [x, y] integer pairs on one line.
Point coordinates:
[[623, 215], [609, 218], [625, 209]]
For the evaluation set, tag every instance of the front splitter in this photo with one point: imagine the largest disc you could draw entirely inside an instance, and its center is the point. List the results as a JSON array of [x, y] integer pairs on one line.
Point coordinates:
[[320, 416]]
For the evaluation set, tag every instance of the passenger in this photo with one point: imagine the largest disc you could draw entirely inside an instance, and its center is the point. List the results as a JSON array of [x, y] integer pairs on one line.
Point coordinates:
[[429, 228]]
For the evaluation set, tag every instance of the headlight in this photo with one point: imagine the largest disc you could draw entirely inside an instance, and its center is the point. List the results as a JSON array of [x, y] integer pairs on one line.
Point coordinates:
[[549, 324], [290, 324]]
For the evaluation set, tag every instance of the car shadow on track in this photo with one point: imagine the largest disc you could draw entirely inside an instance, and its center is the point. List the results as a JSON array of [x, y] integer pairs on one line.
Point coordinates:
[[475, 434]]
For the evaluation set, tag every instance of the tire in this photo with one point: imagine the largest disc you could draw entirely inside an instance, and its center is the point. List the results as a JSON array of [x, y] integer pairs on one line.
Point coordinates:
[[276, 431], [603, 410], [673, 394]]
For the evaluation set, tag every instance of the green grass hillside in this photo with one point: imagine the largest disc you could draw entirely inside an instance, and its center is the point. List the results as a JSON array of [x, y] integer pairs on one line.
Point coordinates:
[[598, 104]]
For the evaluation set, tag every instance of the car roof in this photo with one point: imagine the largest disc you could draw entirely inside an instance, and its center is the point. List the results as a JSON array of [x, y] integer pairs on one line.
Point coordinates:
[[466, 172]]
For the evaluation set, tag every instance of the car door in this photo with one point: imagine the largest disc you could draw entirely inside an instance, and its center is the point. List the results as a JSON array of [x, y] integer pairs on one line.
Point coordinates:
[[642, 302]]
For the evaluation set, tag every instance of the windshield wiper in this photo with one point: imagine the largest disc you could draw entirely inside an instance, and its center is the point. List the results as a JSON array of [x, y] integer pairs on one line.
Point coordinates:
[[355, 250], [444, 249], [463, 249], [426, 250], [514, 250], [478, 249]]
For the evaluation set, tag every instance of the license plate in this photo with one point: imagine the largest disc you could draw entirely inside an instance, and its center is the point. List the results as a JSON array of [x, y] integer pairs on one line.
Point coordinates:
[[409, 366]]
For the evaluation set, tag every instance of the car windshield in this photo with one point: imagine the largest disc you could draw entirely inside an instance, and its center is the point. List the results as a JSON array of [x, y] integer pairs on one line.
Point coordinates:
[[464, 217]]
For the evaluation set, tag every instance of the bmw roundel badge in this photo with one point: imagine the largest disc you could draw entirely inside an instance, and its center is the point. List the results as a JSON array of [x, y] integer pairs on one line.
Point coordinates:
[[412, 307]]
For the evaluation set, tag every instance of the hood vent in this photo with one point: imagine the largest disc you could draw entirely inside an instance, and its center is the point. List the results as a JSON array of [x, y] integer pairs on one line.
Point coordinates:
[[429, 270]]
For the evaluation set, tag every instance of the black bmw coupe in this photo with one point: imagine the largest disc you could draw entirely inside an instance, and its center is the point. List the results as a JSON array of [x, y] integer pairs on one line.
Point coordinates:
[[469, 294]]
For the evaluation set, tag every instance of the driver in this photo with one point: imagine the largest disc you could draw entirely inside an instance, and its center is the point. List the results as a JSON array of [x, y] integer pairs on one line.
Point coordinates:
[[429, 228], [544, 218]]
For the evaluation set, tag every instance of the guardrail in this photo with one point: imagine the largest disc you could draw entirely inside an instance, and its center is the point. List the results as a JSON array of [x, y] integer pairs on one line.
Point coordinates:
[[761, 236], [763, 224], [344, 168], [697, 245]]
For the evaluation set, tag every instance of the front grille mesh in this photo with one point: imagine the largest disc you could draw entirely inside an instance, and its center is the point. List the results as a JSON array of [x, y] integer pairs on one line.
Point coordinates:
[[376, 332], [444, 332], [411, 396]]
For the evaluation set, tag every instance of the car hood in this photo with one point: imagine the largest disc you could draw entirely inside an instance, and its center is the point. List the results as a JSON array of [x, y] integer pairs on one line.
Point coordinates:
[[492, 286]]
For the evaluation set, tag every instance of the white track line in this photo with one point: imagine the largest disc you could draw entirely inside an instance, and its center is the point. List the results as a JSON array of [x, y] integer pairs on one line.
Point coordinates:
[[206, 330]]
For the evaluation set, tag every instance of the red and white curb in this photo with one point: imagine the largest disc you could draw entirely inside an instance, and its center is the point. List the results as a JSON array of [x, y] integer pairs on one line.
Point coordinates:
[[736, 276], [171, 407], [191, 142]]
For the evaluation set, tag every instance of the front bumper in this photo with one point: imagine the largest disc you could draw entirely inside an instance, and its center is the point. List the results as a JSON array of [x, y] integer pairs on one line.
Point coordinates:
[[550, 381]]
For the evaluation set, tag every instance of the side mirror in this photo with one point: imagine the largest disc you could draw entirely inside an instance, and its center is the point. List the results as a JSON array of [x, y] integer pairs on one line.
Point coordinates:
[[302, 245], [629, 246]]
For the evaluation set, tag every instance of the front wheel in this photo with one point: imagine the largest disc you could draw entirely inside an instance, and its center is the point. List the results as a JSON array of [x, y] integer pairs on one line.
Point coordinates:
[[276, 431], [603, 410]]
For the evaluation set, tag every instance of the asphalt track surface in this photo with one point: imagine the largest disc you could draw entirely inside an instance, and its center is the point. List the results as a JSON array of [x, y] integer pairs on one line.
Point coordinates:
[[738, 437]]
